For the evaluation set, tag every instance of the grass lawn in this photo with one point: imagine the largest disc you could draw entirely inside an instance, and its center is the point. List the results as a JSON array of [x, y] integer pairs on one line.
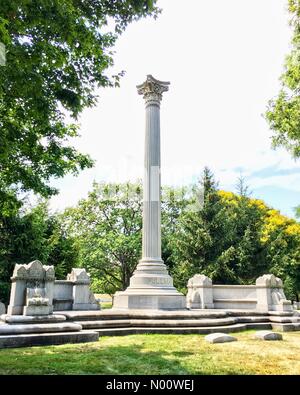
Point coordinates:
[[106, 305], [158, 354]]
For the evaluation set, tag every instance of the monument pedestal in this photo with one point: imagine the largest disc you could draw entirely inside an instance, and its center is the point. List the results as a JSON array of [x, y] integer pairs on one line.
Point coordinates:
[[149, 300], [151, 287]]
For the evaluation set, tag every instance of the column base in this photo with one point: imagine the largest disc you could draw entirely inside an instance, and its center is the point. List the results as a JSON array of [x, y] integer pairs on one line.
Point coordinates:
[[151, 301], [151, 287]]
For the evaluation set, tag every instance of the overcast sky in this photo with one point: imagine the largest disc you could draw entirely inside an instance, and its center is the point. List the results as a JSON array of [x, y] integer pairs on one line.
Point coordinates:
[[223, 60]]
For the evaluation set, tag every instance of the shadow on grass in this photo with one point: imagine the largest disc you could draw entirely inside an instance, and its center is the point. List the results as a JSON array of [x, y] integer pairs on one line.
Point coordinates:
[[90, 360], [93, 358]]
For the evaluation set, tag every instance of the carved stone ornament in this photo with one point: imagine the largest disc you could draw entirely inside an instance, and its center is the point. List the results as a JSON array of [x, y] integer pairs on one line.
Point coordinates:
[[152, 90], [20, 272], [34, 271], [36, 297], [199, 280], [79, 276], [269, 280]]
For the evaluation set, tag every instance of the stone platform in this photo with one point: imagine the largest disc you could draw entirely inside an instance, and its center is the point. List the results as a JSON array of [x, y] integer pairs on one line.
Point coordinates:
[[115, 322], [27, 331], [87, 326], [47, 339]]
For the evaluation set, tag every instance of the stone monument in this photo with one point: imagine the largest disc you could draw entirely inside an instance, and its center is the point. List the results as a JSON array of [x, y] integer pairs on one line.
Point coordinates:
[[36, 302], [32, 289], [35, 292], [266, 295], [83, 298], [270, 294], [200, 293], [151, 287]]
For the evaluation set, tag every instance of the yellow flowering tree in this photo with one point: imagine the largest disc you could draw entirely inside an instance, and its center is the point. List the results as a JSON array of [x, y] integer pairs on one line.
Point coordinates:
[[234, 239], [279, 237]]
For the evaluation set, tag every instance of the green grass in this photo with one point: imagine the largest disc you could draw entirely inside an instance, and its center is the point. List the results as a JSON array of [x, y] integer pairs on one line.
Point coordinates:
[[158, 354], [106, 305]]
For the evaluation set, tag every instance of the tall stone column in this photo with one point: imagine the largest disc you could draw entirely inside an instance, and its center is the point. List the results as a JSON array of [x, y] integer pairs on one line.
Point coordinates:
[[152, 91], [151, 287]]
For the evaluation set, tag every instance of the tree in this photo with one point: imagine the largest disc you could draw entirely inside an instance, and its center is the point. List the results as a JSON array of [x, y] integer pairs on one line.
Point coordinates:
[[231, 238], [235, 239], [281, 242], [107, 230], [174, 202], [203, 236], [33, 234], [57, 54], [242, 188], [208, 183], [283, 112], [247, 221], [221, 239]]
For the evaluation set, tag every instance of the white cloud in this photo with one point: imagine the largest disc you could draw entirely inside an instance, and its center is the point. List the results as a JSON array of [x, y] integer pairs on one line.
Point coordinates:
[[291, 182]]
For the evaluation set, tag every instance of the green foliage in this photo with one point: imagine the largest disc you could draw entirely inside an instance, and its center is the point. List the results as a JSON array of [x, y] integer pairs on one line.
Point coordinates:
[[231, 238], [281, 241], [29, 235], [107, 230], [283, 113], [234, 239], [57, 54], [174, 202], [219, 239]]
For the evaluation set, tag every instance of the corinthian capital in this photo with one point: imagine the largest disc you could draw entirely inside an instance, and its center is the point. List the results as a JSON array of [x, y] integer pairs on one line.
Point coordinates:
[[152, 90]]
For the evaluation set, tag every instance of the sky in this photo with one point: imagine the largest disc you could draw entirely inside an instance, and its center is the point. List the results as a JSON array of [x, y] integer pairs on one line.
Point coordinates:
[[223, 60]]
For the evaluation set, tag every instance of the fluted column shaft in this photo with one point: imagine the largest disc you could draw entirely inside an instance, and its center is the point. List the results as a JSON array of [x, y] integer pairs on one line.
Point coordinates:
[[151, 286], [152, 185], [152, 91]]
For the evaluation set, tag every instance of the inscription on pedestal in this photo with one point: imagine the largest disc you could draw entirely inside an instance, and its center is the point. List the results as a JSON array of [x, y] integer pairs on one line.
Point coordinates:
[[160, 281]]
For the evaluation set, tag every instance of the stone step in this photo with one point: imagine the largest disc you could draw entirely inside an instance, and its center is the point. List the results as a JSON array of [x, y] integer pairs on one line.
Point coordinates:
[[104, 324], [25, 319], [156, 323], [285, 319], [44, 339], [252, 319], [245, 313], [112, 314], [286, 327], [15, 329], [125, 323], [181, 330], [282, 313], [170, 330]]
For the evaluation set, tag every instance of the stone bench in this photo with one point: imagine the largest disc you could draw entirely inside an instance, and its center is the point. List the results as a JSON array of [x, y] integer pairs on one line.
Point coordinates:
[[235, 303], [266, 295]]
